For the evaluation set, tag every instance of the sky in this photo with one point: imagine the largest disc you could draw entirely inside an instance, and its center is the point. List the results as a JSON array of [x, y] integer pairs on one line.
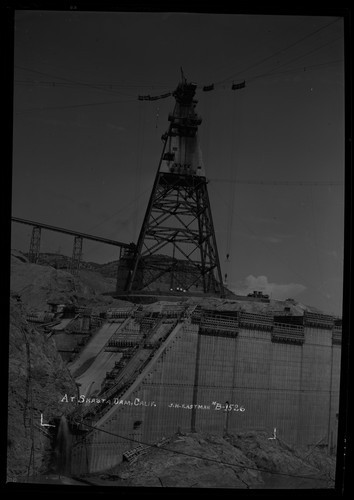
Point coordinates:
[[86, 150]]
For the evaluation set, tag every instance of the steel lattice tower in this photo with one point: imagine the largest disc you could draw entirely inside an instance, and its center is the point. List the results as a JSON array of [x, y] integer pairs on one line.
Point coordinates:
[[176, 249]]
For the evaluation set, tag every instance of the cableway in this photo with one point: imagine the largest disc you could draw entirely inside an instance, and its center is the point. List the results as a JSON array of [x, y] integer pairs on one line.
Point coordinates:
[[236, 81]]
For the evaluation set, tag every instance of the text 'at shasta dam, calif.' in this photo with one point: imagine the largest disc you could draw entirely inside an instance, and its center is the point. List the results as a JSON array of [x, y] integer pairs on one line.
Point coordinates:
[[82, 399]]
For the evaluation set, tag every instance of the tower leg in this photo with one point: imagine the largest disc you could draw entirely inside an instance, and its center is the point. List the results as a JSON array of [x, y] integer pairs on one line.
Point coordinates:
[[177, 239], [76, 256], [35, 244]]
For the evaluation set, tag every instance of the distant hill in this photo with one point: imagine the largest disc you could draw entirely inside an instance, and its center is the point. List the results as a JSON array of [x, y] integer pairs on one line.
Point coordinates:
[[60, 261], [37, 282], [50, 281]]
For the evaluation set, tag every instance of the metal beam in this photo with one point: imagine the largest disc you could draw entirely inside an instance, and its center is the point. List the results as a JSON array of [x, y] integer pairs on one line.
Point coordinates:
[[73, 233]]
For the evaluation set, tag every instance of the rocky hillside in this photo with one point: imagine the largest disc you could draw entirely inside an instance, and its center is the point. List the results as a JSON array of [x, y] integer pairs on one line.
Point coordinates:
[[38, 378], [59, 261], [36, 285], [248, 460]]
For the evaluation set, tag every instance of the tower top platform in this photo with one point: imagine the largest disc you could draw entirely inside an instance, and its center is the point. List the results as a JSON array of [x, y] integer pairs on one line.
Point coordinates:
[[182, 154]]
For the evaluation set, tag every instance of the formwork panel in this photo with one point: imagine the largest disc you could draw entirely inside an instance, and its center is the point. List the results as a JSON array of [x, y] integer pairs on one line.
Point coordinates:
[[318, 399], [316, 367], [285, 367], [263, 410], [336, 360], [283, 413], [288, 387], [313, 417], [177, 363], [216, 361], [217, 419], [334, 403], [318, 336], [167, 385], [252, 360]]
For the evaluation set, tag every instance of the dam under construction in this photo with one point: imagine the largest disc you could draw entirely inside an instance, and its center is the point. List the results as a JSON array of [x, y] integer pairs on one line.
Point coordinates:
[[183, 354], [153, 371]]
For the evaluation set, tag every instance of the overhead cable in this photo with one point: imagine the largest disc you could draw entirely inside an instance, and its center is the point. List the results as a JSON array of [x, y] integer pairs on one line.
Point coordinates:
[[75, 82], [301, 56], [277, 52]]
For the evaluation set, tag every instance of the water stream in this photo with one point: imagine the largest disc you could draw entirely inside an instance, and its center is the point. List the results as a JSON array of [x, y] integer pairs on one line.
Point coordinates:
[[63, 448]]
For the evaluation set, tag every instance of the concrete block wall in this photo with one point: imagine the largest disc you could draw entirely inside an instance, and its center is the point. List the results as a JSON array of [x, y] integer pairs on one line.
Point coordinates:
[[334, 402], [164, 383], [314, 397], [252, 372], [291, 387]]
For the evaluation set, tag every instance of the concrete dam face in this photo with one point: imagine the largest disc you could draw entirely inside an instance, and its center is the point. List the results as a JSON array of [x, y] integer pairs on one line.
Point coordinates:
[[190, 369]]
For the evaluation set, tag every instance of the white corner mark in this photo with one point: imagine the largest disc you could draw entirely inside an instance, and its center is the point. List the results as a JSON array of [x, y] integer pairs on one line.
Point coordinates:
[[274, 434], [45, 425]]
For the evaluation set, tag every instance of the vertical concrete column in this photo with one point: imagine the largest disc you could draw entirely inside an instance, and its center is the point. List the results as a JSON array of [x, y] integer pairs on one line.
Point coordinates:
[[35, 244], [195, 384], [329, 432], [300, 400]]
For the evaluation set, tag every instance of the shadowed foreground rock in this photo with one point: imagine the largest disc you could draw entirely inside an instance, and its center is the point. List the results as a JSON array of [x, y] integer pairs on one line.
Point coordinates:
[[37, 380], [246, 461]]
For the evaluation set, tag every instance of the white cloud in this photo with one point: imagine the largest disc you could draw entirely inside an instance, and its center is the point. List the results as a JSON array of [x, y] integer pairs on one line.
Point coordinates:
[[272, 239], [274, 290], [275, 238], [113, 126]]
